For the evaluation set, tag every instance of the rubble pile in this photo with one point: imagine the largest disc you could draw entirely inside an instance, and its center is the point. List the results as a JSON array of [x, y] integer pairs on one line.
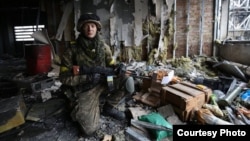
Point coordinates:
[[184, 91]]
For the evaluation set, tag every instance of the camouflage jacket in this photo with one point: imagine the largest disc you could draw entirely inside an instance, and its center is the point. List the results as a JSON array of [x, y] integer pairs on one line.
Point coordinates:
[[84, 52]]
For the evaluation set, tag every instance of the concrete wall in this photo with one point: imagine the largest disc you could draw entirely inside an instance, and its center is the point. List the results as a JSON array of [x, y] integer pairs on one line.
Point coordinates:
[[235, 51]]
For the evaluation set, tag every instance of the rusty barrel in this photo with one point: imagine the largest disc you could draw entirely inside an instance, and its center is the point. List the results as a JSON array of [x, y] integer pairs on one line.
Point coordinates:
[[38, 58]]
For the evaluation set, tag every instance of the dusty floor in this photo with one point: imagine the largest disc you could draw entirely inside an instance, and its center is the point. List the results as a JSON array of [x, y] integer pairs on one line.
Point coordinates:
[[61, 128], [58, 125]]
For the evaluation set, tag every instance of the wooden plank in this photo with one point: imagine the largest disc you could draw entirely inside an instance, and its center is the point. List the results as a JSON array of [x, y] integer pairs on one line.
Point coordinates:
[[138, 111], [178, 93], [207, 91], [146, 83], [156, 86], [188, 90], [198, 95], [151, 99], [138, 96]]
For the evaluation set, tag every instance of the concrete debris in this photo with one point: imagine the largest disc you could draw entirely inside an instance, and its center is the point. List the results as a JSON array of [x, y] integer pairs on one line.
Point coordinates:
[[135, 135], [195, 79]]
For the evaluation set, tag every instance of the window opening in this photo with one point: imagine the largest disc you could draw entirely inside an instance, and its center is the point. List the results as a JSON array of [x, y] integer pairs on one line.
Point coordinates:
[[23, 33], [239, 19]]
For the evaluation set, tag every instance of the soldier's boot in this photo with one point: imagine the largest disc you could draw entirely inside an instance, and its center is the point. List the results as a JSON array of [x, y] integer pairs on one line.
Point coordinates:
[[115, 105]]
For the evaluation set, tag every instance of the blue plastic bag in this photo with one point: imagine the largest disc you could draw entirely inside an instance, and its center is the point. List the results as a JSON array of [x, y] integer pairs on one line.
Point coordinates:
[[245, 97]]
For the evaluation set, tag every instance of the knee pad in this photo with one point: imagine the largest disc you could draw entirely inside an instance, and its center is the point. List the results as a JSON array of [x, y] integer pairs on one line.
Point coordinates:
[[130, 85]]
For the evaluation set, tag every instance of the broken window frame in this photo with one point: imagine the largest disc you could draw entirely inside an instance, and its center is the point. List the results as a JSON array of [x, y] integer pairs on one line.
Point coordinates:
[[239, 20], [23, 33]]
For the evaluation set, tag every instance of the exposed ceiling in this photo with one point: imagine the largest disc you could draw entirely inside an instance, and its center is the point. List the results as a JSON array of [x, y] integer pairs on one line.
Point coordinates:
[[18, 4]]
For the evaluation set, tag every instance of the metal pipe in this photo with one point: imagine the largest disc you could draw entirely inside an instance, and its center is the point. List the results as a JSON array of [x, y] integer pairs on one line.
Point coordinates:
[[228, 99], [201, 27], [215, 34], [174, 29], [187, 35]]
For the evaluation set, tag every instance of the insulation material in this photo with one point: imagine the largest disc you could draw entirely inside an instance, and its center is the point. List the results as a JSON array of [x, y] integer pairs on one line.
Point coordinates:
[[165, 32], [132, 53], [137, 53]]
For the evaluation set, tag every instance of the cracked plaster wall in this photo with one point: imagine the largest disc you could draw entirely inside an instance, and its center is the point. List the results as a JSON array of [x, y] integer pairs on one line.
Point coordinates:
[[122, 20]]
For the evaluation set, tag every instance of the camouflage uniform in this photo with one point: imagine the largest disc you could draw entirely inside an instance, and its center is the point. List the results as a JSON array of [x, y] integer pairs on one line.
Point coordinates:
[[84, 92]]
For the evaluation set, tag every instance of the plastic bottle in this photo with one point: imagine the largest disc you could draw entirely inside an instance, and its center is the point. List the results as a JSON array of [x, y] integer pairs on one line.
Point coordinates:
[[245, 98]]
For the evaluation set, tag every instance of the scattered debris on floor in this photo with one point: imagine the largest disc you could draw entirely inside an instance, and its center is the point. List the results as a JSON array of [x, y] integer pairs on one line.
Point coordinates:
[[185, 91]]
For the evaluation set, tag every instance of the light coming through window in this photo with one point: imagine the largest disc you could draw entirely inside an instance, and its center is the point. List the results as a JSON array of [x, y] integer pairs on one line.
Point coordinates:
[[23, 33]]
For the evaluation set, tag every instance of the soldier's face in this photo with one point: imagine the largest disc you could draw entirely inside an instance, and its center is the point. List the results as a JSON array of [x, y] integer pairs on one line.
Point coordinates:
[[90, 30]]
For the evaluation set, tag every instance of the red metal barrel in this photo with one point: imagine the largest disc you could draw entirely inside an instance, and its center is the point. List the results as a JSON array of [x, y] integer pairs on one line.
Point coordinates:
[[38, 58]]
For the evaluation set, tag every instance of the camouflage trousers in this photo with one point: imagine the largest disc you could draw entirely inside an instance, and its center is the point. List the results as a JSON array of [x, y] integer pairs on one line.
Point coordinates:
[[87, 111], [87, 106]]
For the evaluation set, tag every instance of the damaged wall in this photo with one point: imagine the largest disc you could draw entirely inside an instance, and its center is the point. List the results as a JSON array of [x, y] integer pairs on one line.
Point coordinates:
[[164, 28], [194, 27], [156, 29]]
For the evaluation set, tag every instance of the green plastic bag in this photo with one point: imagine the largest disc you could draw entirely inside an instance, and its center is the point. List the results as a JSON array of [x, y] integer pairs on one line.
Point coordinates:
[[157, 119]]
